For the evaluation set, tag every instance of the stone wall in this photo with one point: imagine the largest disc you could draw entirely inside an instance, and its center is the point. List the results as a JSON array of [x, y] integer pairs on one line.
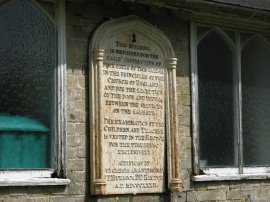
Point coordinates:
[[81, 22], [82, 19]]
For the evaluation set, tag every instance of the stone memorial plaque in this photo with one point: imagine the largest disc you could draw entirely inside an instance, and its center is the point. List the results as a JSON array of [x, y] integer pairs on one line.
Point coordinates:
[[133, 125], [129, 105]]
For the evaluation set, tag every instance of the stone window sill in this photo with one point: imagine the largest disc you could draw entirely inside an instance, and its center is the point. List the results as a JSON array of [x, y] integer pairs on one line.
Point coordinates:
[[227, 177], [33, 182]]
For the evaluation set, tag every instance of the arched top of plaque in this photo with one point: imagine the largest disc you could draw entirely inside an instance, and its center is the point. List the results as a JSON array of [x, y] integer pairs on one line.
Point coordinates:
[[131, 26]]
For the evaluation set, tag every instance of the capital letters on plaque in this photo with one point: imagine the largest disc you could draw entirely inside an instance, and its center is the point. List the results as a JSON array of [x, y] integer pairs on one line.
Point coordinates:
[[132, 109]]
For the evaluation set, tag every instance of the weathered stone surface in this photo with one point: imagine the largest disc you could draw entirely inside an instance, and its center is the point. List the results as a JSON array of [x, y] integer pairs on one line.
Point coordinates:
[[178, 197], [211, 195], [133, 116], [38, 200], [17, 191], [191, 196]]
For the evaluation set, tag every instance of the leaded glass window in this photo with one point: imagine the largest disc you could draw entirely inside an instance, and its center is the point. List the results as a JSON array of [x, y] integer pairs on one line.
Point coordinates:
[[27, 86], [231, 98]]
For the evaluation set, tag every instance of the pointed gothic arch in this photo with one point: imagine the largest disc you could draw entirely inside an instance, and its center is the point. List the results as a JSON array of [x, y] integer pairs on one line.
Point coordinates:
[[222, 34]]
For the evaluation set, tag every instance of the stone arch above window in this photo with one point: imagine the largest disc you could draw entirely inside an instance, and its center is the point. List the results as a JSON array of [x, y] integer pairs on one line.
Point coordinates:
[[227, 35]]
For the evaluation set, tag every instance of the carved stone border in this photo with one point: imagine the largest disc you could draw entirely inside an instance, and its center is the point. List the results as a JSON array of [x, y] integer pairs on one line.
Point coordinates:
[[96, 53], [97, 175], [175, 183]]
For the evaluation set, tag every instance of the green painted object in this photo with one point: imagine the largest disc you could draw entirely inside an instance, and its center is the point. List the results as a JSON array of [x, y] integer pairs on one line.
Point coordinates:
[[19, 123], [24, 143]]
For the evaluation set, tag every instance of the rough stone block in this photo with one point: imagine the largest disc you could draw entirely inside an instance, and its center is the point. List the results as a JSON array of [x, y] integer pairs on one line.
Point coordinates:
[[183, 80], [184, 131], [185, 110], [211, 195], [191, 196], [17, 191], [185, 174], [78, 117], [71, 80], [34, 190], [77, 176], [262, 193], [211, 186], [178, 197], [80, 105], [20, 199], [74, 31], [184, 89], [240, 194], [73, 19], [4, 191], [247, 185], [74, 141], [186, 184], [141, 198], [186, 163], [44, 199], [184, 100], [78, 53], [222, 186], [74, 69], [185, 143], [76, 189], [70, 128], [81, 81], [80, 152], [235, 185], [81, 129], [75, 93], [55, 190], [70, 153], [184, 120], [60, 199], [77, 165]]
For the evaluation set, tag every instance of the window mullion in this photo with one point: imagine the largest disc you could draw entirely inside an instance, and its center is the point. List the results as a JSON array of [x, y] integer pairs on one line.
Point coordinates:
[[239, 101], [195, 106], [61, 139]]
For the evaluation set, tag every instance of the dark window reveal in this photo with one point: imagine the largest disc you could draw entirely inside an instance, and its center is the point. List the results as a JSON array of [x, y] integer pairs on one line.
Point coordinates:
[[256, 101], [216, 113]]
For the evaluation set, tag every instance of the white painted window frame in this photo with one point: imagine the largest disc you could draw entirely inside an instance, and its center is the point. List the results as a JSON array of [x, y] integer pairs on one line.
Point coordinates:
[[220, 174], [56, 176]]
